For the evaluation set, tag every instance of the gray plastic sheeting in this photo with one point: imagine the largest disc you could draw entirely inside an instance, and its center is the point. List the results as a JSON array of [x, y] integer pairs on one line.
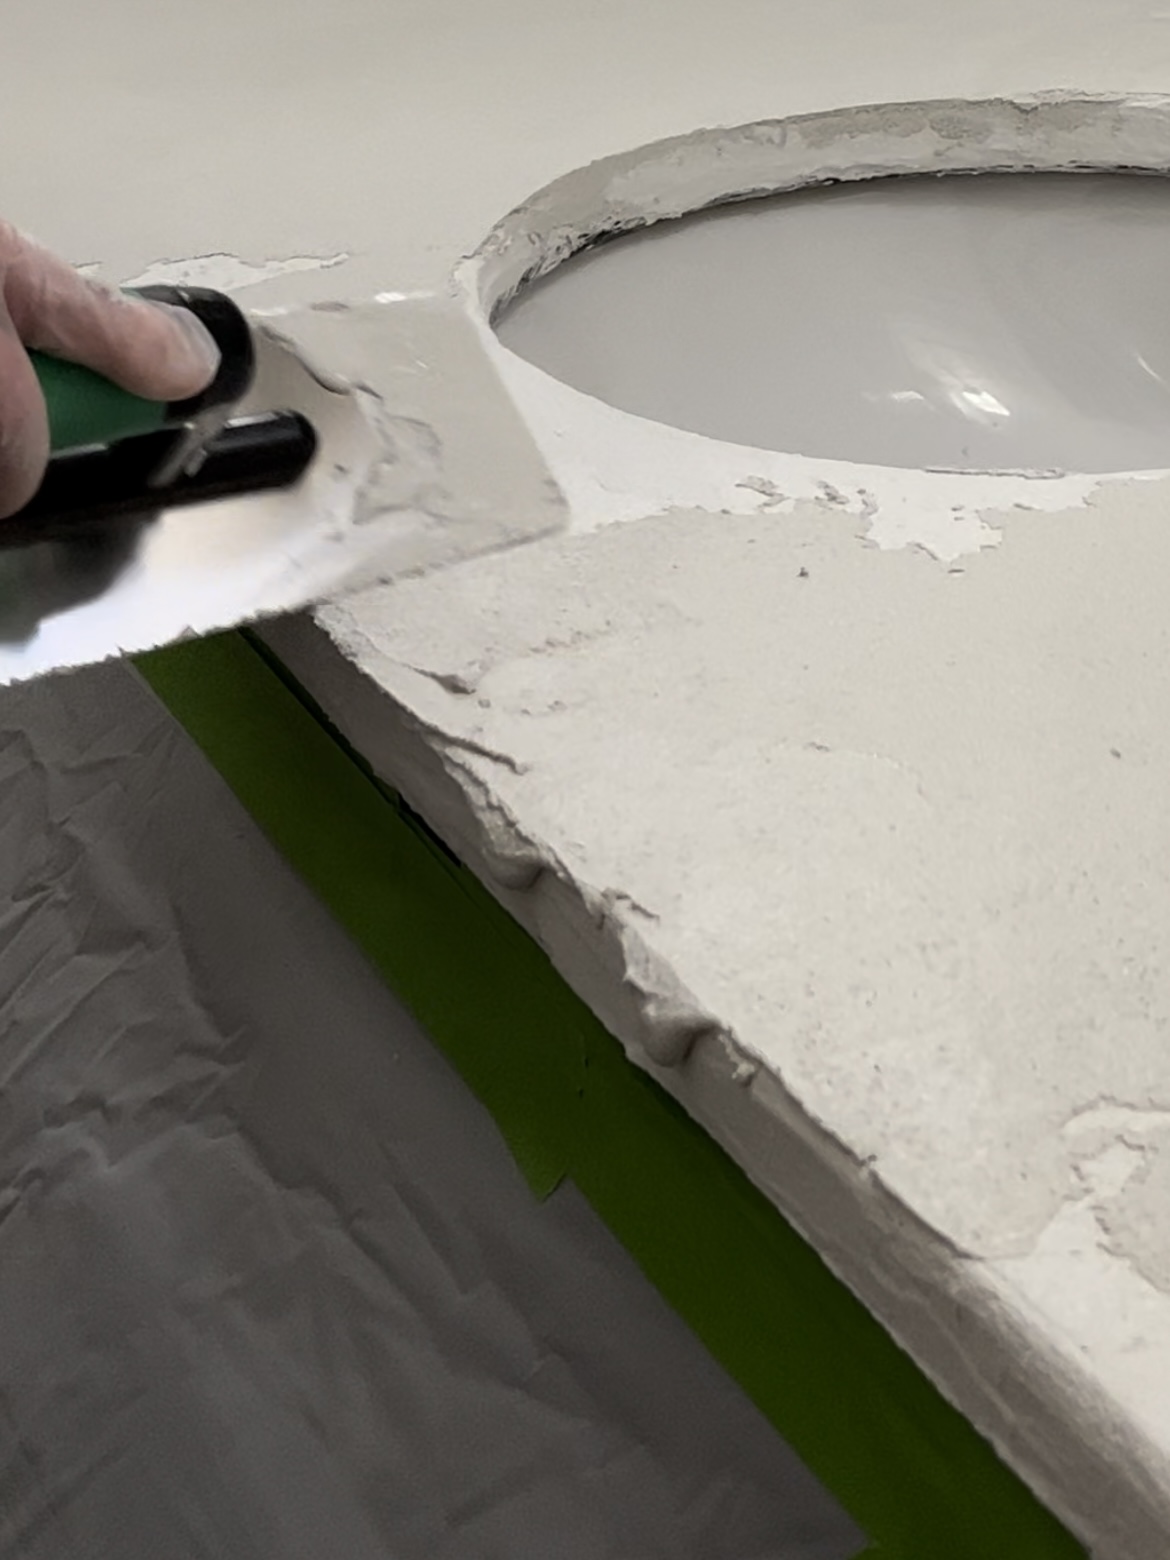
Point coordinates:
[[270, 1285]]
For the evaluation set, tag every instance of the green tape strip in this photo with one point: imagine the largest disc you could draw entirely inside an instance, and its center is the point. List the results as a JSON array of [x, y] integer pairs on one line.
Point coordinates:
[[909, 1468]]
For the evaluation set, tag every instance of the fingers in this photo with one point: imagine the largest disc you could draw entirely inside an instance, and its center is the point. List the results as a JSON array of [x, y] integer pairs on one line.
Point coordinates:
[[152, 350], [24, 423], [162, 353]]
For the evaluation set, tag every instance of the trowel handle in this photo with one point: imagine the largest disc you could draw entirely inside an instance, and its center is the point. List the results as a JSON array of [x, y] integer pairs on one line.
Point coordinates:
[[85, 409]]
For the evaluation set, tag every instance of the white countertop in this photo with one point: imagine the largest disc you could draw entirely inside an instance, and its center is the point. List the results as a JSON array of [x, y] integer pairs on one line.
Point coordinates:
[[866, 864]]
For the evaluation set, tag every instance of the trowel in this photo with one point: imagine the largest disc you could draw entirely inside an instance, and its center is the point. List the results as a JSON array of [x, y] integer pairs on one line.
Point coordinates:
[[339, 446]]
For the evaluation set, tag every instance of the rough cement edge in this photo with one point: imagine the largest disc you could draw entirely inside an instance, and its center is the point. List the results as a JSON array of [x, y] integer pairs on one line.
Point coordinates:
[[977, 1339], [1056, 131]]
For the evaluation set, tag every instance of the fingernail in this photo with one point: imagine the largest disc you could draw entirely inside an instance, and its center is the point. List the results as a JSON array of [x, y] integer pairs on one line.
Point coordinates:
[[198, 336]]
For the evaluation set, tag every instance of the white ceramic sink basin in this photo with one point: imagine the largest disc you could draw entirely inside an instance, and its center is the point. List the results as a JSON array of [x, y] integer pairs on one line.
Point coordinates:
[[997, 321]]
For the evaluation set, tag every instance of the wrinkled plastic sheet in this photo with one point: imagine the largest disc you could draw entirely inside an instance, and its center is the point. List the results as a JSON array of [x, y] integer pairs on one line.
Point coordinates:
[[271, 1287]]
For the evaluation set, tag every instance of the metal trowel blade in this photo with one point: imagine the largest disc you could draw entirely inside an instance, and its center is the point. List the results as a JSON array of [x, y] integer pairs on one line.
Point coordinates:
[[422, 461]]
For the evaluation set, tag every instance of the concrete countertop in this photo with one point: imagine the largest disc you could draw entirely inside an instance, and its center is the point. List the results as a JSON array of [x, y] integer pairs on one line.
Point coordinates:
[[865, 863]]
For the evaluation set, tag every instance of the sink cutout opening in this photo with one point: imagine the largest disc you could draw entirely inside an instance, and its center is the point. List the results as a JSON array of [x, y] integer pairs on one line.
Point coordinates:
[[966, 322]]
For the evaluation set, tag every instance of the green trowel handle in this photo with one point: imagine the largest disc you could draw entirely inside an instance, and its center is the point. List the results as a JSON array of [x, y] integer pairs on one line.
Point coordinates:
[[85, 409]]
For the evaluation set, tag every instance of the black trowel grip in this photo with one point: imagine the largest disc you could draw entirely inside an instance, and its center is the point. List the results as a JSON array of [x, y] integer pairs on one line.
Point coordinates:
[[232, 334], [252, 455]]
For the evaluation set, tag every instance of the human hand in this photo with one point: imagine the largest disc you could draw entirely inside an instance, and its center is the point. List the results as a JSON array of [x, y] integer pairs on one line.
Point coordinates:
[[150, 349]]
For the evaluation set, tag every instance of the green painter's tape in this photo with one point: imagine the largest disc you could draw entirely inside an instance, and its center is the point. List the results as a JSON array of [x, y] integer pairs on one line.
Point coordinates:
[[910, 1469]]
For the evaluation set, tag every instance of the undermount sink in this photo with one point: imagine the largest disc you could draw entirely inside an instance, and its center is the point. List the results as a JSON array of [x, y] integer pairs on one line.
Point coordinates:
[[980, 322]]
